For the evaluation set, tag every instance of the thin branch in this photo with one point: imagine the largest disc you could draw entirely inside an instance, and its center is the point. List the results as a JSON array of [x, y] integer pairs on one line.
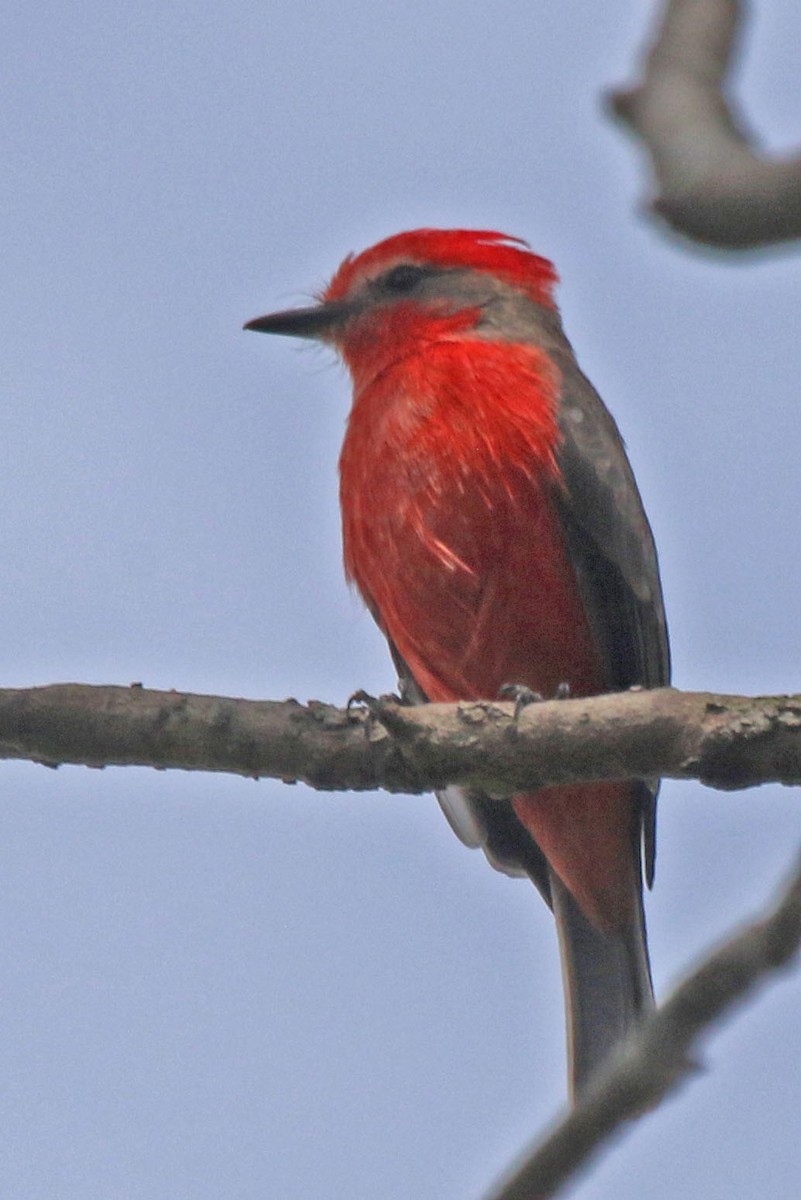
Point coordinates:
[[725, 741], [659, 1056], [713, 185]]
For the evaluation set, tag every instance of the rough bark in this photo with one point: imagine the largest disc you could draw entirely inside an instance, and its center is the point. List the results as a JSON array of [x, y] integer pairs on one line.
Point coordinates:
[[725, 741]]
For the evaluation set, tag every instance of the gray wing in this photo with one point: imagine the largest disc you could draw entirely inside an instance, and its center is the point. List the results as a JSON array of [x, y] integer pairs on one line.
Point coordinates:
[[612, 549]]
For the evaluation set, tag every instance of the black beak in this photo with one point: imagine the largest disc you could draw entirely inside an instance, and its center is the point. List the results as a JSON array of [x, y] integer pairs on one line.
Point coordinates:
[[314, 322]]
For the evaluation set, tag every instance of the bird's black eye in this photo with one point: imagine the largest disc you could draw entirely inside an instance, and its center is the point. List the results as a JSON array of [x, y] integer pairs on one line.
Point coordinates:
[[403, 278]]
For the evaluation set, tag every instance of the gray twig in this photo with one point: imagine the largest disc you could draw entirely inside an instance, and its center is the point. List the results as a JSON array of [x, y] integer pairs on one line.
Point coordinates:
[[713, 184], [659, 1056]]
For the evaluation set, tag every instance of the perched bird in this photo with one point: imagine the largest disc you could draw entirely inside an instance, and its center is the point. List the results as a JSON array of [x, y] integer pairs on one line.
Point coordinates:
[[492, 524]]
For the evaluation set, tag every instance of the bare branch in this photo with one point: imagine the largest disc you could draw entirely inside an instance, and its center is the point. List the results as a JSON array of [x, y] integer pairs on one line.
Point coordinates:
[[714, 186], [725, 741], [658, 1057]]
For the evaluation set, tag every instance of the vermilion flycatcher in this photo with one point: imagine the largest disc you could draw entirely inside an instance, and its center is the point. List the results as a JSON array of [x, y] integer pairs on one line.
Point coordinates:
[[493, 526]]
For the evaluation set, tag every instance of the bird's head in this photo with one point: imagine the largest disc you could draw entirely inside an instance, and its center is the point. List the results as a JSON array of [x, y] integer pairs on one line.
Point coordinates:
[[419, 287]]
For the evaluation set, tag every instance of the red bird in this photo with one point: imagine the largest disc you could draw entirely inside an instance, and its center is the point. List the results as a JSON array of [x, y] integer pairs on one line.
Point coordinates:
[[493, 526]]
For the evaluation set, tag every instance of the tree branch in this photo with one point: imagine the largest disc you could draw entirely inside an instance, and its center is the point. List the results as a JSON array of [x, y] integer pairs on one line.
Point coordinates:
[[714, 186], [657, 1058], [725, 741]]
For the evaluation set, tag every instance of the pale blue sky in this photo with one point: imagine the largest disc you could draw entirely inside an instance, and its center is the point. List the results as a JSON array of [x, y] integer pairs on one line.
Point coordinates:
[[214, 988]]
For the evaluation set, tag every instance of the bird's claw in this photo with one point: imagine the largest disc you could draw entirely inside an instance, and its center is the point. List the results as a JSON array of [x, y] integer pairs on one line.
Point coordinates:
[[373, 704], [362, 699], [523, 696]]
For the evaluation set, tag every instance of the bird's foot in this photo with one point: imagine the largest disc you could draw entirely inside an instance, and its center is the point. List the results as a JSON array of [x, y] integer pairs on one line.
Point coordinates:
[[523, 695], [373, 704]]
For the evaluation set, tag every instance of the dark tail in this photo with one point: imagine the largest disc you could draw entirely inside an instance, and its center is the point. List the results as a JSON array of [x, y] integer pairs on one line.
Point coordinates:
[[607, 983]]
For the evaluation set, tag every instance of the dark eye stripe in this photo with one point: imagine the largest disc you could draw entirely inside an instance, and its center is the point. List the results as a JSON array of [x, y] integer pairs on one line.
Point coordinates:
[[402, 278]]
